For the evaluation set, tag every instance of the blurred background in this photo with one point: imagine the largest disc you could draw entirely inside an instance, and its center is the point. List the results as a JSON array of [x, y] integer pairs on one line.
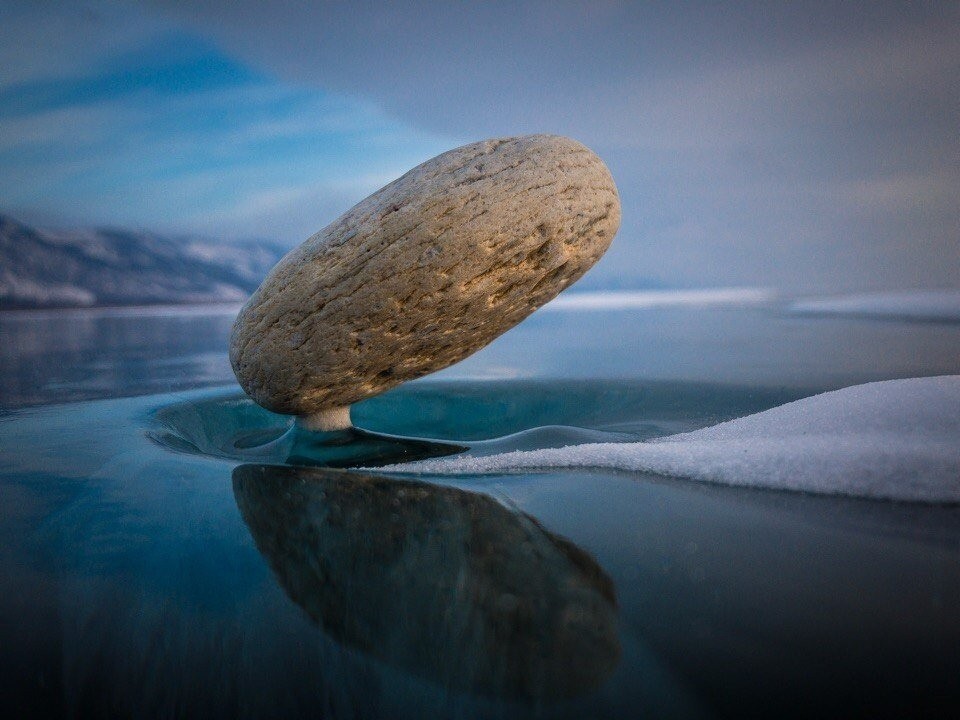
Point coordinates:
[[171, 152]]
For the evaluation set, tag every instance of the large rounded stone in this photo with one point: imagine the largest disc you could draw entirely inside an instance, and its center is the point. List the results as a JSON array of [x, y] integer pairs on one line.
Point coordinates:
[[422, 273]]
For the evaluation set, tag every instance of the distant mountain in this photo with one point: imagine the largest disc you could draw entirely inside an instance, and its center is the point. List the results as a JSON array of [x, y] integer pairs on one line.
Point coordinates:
[[79, 268]]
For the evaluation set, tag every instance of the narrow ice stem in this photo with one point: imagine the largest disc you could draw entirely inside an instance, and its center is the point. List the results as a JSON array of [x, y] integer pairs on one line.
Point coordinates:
[[327, 420]]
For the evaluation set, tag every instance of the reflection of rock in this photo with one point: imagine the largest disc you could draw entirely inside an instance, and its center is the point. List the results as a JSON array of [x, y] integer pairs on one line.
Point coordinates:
[[445, 583]]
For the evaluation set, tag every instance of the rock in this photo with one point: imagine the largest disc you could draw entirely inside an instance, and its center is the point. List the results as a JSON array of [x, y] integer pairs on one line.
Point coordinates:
[[423, 273]]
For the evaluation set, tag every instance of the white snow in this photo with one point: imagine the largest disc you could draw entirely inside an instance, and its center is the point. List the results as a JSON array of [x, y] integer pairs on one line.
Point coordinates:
[[22, 289], [929, 305], [648, 299], [896, 439]]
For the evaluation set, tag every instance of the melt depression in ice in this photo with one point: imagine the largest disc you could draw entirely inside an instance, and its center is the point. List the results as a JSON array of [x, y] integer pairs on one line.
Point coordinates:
[[895, 439]]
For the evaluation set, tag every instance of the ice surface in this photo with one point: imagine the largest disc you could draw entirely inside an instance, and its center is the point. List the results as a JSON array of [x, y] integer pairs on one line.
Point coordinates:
[[922, 305], [895, 439], [647, 299]]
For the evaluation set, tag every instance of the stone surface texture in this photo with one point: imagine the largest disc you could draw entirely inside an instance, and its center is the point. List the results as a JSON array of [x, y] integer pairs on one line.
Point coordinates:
[[424, 272]]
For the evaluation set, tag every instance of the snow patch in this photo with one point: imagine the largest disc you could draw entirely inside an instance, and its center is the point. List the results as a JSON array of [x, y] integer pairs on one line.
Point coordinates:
[[896, 439], [916, 305], [649, 299]]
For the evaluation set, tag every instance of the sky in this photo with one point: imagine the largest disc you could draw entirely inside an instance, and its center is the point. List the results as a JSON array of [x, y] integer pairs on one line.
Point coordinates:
[[807, 147]]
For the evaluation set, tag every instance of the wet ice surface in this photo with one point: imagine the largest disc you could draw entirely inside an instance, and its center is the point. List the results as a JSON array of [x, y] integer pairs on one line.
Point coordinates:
[[159, 555], [145, 578], [60, 356]]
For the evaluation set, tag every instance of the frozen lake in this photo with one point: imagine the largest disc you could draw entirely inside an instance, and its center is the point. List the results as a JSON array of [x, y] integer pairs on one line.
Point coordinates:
[[150, 564]]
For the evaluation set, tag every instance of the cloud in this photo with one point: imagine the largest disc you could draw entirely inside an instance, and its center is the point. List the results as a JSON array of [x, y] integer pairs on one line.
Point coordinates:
[[174, 135], [504, 67], [808, 146], [44, 41], [296, 211], [794, 137]]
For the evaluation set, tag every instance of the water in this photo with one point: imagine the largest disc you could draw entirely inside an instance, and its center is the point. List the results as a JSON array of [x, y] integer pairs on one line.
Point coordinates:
[[159, 555]]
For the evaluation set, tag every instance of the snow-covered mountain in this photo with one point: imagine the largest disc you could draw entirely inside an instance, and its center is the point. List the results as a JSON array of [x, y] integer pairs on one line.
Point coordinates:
[[75, 268]]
